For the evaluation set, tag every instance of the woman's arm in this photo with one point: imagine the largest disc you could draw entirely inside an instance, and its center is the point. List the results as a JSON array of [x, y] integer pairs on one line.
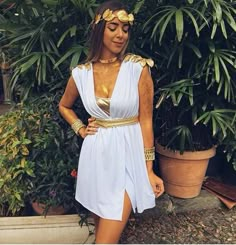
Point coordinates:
[[146, 93], [68, 99], [65, 106]]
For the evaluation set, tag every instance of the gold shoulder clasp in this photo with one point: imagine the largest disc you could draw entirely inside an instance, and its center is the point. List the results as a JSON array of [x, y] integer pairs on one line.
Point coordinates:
[[137, 58], [87, 66]]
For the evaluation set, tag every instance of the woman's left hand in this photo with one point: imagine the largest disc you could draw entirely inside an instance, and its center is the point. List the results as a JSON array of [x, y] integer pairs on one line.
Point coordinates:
[[156, 183]]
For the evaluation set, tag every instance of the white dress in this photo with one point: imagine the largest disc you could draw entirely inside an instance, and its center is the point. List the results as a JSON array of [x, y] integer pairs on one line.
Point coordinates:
[[112, 161]]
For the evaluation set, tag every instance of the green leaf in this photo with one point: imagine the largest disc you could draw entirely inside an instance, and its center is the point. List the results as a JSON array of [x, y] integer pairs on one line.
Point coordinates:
[[230, 20], [214, 128], [171, 56], [218, 10], [174, 100], [44, 67], [71, 30], [222, 126], [1, 183], [73, 50], [18, 196], [213, 30], [179, 21], [163, 28], [26, 141], [25, 66], [30, 172], [224, 56], [138, 6], [17, 173], [190, 91], [193, 20], [75, 58], [222, 24], [216, 68], [212, 47], [225, 68], [180, 59], [220, 86], [15, 143], [194, 49]]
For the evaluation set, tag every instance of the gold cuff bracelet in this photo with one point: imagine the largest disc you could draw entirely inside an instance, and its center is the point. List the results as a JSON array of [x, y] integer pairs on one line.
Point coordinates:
[[149, 154], [77, 125]]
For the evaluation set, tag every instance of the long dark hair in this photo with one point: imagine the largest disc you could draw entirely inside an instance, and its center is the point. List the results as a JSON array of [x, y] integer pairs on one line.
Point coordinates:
[[95, 41]]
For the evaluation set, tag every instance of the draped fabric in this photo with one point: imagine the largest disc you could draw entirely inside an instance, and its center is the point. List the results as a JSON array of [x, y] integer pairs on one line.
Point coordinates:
[[112, 161]]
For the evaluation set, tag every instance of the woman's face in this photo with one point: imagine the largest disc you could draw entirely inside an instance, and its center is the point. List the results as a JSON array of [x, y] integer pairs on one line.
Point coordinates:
[[115, 37]]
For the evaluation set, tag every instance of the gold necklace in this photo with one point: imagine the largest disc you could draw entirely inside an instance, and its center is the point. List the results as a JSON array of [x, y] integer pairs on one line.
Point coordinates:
[[108, 61]]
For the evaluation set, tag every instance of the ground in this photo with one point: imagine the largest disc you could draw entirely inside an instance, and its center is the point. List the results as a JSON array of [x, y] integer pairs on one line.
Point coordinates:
[[206, 226]]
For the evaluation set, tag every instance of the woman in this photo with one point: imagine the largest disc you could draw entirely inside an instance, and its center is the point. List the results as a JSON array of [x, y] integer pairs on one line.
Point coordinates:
[[115, 171]]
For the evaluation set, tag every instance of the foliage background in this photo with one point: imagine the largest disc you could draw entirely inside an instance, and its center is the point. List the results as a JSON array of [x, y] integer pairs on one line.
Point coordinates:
[[192, 43]]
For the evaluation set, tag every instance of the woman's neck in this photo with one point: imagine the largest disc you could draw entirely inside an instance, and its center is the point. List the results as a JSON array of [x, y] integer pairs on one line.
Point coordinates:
[[109, 60]]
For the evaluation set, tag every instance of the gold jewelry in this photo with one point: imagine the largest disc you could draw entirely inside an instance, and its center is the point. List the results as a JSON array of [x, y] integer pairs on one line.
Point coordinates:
[[108, 16], [149, 154], [112, 60], [77, 125]]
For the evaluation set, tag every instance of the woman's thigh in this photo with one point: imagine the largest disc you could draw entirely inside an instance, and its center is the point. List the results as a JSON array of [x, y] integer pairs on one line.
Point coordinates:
[[109, 231]]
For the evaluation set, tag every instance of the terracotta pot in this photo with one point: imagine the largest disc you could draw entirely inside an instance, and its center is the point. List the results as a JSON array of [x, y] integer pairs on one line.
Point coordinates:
[[183, 174], [40, 207]]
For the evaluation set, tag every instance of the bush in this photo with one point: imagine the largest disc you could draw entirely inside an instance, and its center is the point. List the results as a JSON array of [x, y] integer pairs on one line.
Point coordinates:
[[17, 169], [38, 152]]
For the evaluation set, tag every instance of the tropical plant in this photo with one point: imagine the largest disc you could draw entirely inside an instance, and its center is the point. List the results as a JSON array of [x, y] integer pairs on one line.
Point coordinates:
[[193, 44], [49, 39], [191, 41]]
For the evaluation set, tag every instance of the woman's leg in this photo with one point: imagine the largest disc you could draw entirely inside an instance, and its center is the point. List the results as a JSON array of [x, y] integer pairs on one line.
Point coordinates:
[[109, 231]]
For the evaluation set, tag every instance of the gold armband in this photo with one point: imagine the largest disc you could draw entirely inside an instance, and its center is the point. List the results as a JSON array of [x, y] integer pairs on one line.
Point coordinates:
[[77, 125], [149, 154]]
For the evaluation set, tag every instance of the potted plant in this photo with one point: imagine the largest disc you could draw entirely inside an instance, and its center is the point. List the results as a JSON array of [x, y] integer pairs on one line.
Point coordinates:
[[193, 44]]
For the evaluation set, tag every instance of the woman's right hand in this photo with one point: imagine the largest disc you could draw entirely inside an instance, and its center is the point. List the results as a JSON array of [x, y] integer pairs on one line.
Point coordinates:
[[91, 128]]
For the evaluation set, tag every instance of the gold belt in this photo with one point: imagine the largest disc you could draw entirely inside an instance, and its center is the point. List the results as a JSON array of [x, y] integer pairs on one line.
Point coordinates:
[[108, 123]]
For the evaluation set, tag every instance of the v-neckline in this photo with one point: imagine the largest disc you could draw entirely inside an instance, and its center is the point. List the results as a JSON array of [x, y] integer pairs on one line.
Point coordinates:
[[116, 81]]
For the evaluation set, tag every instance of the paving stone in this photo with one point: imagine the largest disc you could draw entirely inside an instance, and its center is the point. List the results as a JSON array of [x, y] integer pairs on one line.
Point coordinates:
[[204, 201], [163, 205], [167, 204]]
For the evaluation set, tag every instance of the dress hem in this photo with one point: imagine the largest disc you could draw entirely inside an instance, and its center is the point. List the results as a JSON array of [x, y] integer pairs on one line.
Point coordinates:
[[135, 210]]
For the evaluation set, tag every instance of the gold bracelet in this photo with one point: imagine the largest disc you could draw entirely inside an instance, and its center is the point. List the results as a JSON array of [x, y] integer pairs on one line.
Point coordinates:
[[77, 125], [149, 154]]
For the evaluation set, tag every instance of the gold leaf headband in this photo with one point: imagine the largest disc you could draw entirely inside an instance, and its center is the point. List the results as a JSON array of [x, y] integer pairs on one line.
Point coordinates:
[[108, 16]]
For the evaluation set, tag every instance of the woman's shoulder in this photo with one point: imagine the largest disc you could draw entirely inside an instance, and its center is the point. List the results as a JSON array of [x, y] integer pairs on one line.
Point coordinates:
[[83, 66], [138, 59]]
